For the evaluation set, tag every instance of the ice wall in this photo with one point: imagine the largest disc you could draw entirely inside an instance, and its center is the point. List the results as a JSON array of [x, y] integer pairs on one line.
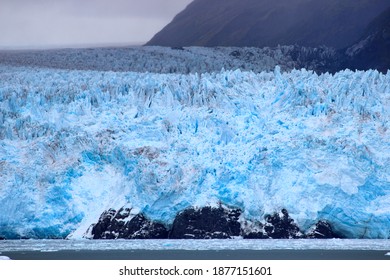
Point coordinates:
[[75, 143]]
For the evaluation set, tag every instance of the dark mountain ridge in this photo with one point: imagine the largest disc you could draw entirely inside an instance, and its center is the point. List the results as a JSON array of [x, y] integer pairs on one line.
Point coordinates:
[[373, 49], [260, 23]]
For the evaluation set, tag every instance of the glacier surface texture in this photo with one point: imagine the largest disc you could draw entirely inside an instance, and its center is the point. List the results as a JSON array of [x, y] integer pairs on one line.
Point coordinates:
[[75, 143]]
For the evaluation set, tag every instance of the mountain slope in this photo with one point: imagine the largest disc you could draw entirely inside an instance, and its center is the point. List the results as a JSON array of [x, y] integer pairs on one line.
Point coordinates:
[[373, 50], [260, 23]]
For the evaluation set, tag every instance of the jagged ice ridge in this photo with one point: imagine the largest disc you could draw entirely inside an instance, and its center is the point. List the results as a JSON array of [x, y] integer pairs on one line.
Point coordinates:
[[177, 60]]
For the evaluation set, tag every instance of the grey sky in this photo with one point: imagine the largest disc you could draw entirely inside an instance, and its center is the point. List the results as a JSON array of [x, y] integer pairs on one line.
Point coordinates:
[[52, 23]]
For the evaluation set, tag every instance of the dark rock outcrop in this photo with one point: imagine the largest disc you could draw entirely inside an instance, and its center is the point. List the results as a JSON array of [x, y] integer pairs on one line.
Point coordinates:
[[322, 230], [122, 224], [206, 223], [260, 23], [104, 229], [281, 226], [276, 226]]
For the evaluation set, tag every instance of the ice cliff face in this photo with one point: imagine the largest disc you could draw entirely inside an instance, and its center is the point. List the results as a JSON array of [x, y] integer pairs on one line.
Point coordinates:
[[76, 143]]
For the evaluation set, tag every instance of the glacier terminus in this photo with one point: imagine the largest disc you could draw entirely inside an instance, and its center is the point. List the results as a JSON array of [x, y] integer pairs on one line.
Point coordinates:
[[75, 143]]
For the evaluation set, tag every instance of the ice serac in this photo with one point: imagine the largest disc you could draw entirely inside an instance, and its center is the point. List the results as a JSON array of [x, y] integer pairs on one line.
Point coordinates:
[[76, 143]]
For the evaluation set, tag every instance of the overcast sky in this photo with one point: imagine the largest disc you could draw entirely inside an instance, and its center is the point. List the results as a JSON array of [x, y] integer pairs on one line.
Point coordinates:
[[53, 23]]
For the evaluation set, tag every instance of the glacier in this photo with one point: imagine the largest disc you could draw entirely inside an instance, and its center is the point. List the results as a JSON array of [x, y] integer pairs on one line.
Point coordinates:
[[74, 143], [183, 60]]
